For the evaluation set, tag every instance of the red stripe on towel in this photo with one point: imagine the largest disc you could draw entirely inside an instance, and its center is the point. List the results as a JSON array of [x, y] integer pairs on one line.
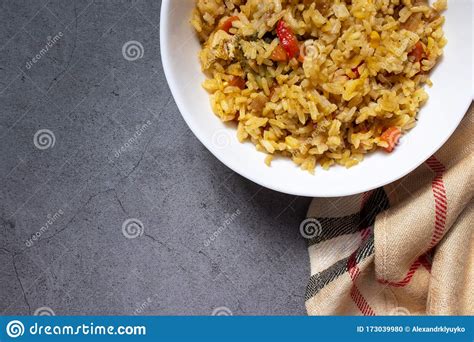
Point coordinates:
[[441, 208], [440, 199], [426, 262], [411, 272], [354, 272]]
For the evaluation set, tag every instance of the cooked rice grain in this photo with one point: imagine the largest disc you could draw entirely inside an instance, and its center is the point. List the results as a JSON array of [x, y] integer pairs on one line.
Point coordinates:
[[360, 71]]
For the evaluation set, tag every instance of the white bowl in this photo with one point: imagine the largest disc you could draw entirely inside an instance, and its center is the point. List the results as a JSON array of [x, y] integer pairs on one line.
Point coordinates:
[[449, 100]]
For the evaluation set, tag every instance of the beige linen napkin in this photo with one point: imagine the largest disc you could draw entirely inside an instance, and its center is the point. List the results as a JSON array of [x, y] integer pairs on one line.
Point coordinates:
[[404, 249]]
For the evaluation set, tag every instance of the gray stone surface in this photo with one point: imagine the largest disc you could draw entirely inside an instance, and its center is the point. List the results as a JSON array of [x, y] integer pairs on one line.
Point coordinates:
[[95, 102]]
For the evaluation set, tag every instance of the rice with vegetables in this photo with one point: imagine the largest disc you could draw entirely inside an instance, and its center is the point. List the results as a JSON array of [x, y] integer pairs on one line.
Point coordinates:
[[320, 81]]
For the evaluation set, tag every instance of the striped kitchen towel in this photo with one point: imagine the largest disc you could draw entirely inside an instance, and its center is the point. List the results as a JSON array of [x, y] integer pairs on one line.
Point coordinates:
[[404, 249]]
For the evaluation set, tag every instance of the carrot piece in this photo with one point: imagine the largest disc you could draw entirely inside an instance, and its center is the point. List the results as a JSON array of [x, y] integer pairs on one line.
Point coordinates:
[[301, 56], [356, 72], [238, 82], [279, 54], [288, 39], [227, 25], [418, 52], [391, 136]]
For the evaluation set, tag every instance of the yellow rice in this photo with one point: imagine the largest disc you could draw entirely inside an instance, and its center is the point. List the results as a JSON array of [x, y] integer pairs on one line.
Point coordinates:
[[318, 110]]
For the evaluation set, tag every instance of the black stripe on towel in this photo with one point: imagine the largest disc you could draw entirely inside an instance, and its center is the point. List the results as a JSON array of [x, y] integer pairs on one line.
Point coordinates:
[[332, 227], [323, 278]]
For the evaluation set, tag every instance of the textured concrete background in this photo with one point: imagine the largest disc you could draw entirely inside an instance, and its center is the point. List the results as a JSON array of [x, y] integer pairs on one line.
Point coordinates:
[[108, 203]]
